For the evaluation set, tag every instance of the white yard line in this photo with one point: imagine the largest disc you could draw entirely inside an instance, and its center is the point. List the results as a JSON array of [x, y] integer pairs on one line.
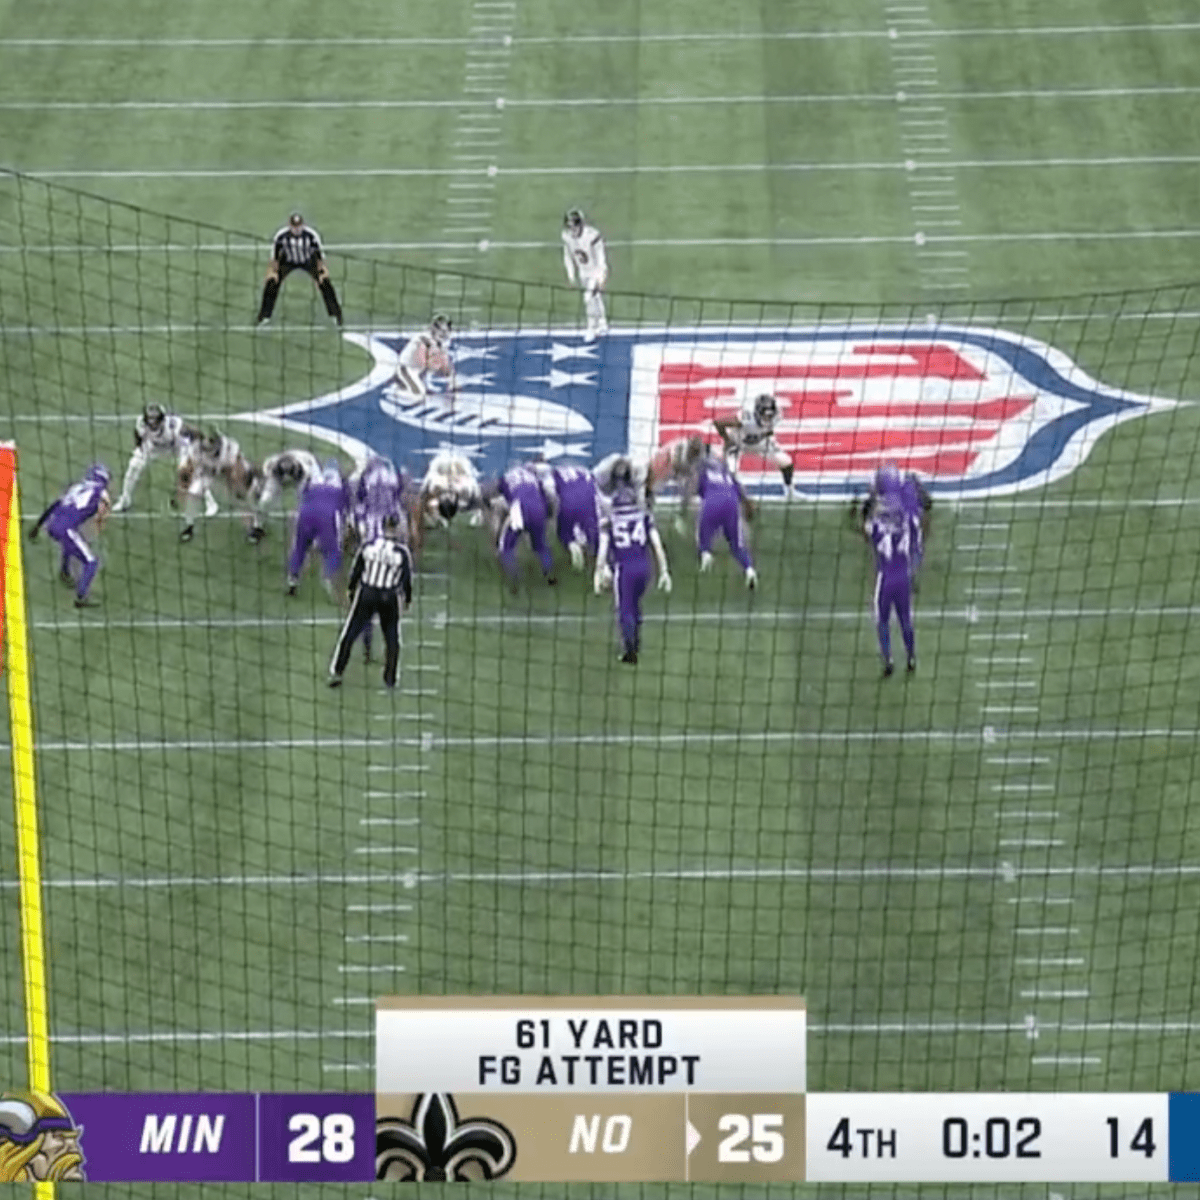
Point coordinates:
[[750, 738], [747, 168], [764, 620], [918, 26], [904, 1026], [517, 103], [939, 875]]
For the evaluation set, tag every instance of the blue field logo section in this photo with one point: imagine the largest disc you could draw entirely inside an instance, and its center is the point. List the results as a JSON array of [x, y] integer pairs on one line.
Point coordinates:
[[974, 412]]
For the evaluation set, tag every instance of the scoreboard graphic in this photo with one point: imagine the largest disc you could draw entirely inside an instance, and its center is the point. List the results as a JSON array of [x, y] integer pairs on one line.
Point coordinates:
[[597, 1089], [600, 1088]]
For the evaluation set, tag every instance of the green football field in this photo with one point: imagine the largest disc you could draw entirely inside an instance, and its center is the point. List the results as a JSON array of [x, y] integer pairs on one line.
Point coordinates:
[[985, 877]]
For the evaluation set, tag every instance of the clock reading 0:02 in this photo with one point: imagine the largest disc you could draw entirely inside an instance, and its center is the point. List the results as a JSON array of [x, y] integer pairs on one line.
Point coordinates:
[[1000, 1138]]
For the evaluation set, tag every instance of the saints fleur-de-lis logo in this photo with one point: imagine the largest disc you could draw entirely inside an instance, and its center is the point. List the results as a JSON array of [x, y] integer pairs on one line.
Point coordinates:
[[435, 1145]]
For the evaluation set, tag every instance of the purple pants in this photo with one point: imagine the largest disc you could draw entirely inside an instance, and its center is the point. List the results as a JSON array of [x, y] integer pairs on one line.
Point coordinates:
[[630, 581], [892, 591], [722, 516], [532, 522], [74, 546], [578, 522], [321, 527]]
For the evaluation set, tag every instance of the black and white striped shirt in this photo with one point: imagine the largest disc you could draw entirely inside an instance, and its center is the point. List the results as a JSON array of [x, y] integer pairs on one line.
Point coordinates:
[[299, 246], [385, 564]]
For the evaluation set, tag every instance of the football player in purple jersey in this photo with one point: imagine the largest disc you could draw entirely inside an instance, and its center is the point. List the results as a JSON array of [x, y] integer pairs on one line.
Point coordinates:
[[64, 520], [628, 535], [521, 491], [572, 496], [723, 501], [376, 493], [910, 495], [892, 532], [319, 519]]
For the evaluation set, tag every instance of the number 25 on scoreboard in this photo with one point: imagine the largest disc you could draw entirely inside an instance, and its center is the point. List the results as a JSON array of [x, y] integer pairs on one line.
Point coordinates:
[[754, 1138]]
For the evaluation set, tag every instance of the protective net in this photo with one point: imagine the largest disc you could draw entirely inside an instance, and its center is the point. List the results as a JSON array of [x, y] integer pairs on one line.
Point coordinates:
[[980, 875]]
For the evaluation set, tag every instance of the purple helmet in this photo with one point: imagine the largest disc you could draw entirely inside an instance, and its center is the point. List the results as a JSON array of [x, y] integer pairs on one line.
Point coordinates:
[[887, 478]]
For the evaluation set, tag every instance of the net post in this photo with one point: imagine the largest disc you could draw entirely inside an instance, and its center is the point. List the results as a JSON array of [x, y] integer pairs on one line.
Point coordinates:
[[20, 718]]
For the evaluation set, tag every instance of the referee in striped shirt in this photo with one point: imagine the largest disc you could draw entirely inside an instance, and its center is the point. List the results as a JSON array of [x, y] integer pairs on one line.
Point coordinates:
[[382, 571], [297, 246]]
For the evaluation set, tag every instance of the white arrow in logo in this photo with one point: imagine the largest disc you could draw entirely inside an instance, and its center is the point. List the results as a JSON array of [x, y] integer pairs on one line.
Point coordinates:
[[558, 352], [549, 449], [464, 353], [693, 1138], [558, 379]]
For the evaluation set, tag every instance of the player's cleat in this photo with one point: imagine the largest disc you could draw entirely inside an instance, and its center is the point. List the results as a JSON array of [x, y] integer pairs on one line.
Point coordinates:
[[888, 670], [86, 602], [187, 533], [751, 578], [334, 681], [255, 534], [262, 322], [291, 586], [630, 656], [211, 507], [589, 337], [706, 561], [121, 505], [552, 580], [912, 666], [576, 551]]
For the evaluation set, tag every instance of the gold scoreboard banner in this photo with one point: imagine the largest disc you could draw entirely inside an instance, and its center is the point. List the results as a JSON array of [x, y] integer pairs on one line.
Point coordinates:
[[590, 1088]]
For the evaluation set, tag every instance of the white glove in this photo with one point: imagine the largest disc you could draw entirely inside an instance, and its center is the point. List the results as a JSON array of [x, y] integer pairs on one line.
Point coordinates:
[[664, 582]]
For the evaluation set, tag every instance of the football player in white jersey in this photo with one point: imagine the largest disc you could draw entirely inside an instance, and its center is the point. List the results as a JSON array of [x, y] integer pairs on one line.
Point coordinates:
[[207, 459], [427, 353], [157, 434], [289, 468], [584, 257], [620, 470], [754, 430], [451, 485], [677, 462]]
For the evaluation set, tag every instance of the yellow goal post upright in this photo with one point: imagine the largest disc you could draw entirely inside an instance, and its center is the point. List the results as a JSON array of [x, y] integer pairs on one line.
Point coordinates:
[[15, 618]]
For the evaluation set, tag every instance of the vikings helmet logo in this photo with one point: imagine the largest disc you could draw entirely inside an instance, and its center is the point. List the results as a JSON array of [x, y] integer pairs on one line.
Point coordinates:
[[434, 1145], [38, 1139]]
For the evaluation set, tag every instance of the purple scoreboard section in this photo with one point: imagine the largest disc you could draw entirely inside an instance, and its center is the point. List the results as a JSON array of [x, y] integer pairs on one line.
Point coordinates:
[[208, 1137]]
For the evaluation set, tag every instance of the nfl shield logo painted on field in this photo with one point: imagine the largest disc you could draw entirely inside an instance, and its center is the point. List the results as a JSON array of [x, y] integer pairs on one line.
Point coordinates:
[[974, 412]]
